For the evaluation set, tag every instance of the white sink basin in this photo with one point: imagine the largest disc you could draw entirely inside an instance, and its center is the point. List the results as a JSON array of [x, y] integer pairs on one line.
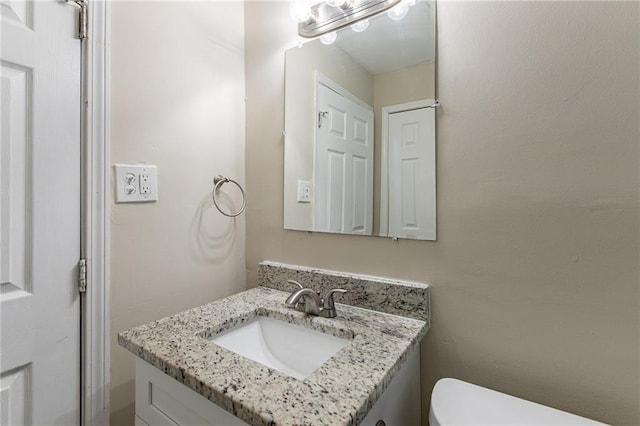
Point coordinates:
[[291, 349]]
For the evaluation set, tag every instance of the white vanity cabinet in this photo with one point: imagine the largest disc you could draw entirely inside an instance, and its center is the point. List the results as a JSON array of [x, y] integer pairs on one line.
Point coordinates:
[[381, 357], [161, 400], [399, 404]]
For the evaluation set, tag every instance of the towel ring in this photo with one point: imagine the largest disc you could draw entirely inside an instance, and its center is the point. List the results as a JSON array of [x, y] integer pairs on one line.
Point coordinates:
[[220, 180]]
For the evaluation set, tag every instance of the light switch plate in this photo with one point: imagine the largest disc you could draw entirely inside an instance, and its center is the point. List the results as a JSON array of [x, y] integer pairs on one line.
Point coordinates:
[[136, 183], [304, 191]]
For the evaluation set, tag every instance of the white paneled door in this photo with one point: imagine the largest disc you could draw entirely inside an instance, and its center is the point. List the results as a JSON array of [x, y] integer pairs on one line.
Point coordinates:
[[39, 213], [412, 174], [343, 171]]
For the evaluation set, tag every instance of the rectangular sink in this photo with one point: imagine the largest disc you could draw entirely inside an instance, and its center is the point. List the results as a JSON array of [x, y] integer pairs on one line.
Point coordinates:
[[291, 349]]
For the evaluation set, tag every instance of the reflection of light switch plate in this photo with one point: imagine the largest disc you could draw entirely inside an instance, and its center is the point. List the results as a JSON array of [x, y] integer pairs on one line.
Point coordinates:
[[304, 191], [136, 183]]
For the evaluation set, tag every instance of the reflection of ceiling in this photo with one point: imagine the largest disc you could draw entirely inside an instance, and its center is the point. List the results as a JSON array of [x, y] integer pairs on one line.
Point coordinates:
[[392, 45]]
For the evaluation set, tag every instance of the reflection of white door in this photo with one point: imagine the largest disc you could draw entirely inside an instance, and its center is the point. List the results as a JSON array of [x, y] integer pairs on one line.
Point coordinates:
[[343, 170], [39, 214], [412, 174]]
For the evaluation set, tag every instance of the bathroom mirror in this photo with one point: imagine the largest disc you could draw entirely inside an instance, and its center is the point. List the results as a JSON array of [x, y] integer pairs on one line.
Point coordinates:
[[360, 129]]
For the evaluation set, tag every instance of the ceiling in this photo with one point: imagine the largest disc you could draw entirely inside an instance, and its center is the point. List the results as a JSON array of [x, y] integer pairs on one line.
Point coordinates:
[[389, 45]]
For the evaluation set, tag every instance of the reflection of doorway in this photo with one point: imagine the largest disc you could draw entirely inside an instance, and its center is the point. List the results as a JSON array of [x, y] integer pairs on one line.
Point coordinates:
[[343, 161], [408, 198]]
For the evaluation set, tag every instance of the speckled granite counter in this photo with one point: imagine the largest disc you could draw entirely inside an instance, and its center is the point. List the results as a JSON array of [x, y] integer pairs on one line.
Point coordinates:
[[341, 392], [398, 297]]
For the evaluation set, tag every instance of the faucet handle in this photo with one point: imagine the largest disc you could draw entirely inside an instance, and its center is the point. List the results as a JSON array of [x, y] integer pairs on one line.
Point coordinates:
[[328, 306], [328, 302], [296, 300], [296, 283]]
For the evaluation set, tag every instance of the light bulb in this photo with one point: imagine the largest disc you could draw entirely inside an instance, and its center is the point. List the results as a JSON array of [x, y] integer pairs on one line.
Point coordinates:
[[335, 3], [398, 12], [360, 26], [299, 10], [329, 38]]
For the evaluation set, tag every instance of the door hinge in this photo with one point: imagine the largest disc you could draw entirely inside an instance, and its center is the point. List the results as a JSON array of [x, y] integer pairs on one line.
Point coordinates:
[[82, 276], [84, 17]]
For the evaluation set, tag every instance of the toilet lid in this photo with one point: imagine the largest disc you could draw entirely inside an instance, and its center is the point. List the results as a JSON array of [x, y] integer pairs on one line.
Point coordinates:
[[455, 402]]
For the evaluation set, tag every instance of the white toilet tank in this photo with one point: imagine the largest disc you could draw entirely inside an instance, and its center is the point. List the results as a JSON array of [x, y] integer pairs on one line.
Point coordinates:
[[455, 402]]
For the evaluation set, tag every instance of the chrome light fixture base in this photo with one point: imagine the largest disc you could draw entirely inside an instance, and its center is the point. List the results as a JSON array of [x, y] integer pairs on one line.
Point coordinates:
[[327, 18]]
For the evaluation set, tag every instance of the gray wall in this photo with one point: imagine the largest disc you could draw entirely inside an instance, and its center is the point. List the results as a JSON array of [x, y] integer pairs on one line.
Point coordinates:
[[535, 271]]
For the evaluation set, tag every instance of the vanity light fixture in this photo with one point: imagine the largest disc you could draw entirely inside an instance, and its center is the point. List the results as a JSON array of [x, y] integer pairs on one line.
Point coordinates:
[[398, 12], [324, 18], [300, 10], [328, 38], [360, 26], [336, 3]]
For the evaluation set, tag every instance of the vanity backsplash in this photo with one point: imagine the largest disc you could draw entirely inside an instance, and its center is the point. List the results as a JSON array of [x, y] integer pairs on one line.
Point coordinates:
[[405, 298]]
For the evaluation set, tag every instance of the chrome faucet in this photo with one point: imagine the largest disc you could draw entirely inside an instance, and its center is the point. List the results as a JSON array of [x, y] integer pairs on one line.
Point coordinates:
[[310, 302]]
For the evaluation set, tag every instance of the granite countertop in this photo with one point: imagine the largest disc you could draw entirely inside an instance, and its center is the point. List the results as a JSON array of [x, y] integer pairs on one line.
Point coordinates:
[[341, 392]]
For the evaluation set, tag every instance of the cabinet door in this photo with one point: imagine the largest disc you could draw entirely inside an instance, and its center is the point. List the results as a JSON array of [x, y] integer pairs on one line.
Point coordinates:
[[399, 404], [161, 400]]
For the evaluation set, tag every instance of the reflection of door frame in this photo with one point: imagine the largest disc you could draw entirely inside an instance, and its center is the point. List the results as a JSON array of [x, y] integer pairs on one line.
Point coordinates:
[[326, 81], [384, 156], [95, 189]]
